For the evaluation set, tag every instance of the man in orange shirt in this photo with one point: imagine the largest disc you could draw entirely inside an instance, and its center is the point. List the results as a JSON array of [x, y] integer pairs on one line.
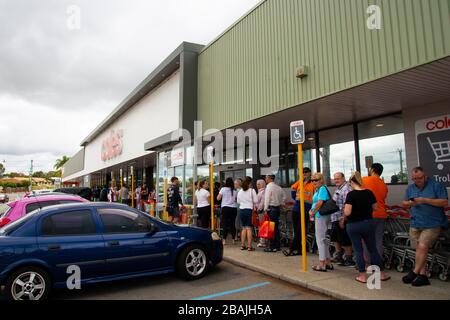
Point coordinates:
[[308, 191], [375, 184]]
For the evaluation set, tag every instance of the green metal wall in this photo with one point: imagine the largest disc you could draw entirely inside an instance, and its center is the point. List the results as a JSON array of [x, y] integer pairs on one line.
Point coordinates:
[[250, 70]]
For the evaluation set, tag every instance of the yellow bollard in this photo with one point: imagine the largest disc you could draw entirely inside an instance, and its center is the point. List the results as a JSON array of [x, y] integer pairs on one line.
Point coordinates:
[[302, 205], [152, 208]]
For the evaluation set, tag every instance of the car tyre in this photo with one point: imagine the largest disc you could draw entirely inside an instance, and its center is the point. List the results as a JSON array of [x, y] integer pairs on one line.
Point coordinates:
[[193, 262], [28, 283]]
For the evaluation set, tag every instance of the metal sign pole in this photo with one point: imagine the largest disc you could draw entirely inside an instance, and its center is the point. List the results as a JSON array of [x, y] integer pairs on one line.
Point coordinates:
[[302, 205], [297, 129]]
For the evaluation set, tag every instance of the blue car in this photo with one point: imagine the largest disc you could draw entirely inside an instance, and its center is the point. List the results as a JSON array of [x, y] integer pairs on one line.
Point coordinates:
[[97, 242]]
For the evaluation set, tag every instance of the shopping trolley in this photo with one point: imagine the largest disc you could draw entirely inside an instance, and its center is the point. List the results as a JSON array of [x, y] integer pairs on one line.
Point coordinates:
[[441, 151], [286, 227]]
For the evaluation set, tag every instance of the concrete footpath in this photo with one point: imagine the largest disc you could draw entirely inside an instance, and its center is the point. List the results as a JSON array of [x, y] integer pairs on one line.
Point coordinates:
[[339, 283]]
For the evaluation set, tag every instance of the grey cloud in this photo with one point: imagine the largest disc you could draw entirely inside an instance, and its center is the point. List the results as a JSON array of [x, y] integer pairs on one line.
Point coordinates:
[[49, 69]]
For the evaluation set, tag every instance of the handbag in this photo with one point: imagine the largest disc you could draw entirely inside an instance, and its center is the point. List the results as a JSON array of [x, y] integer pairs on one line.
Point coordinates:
[[267, 229], [255, 217], [329, 206]]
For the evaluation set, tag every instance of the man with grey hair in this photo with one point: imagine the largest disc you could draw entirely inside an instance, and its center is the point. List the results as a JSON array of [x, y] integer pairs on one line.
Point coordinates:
[[426, 200], [274, 199], [338, 229]]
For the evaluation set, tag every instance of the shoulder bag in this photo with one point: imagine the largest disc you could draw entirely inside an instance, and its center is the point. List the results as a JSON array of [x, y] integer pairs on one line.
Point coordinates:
[[329, 206]]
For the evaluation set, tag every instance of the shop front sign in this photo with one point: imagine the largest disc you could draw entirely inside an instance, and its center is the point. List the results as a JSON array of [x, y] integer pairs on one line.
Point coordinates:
[[177, 158], [112, 146], [433, 147]]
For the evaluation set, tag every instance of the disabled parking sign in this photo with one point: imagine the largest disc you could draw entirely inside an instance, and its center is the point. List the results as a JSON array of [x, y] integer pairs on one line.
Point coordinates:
[[433, 147], [298, 132]]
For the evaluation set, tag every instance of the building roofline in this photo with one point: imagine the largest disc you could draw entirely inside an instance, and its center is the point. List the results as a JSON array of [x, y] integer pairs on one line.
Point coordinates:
[[233, 25], [163, 71]]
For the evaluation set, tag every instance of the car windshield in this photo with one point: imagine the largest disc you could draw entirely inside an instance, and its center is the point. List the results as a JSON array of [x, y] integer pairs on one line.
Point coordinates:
[[16, 224]]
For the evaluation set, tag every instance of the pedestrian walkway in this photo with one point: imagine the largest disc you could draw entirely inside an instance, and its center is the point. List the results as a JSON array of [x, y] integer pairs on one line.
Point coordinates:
[[338, 283]]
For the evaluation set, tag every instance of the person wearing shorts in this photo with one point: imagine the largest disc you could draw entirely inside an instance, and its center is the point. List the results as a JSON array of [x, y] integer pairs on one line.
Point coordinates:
[[174, 201], [247, 199], [339, 235], [426, 200]]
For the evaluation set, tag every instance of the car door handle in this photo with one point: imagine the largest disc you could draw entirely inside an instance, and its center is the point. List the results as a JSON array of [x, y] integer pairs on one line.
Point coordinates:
[[54, 247], [113, 243]]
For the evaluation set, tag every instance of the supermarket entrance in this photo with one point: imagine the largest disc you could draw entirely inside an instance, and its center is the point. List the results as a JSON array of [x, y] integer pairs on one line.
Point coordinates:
[[234, 174]]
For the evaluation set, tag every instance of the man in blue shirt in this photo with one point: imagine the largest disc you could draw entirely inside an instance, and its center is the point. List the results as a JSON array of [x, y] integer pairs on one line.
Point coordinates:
[[426, 200]]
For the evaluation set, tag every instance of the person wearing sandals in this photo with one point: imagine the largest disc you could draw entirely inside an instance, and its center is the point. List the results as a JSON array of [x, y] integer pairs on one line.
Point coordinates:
[[261, 186], [359, 207], [247, 200], [227, 196], [321, 223]]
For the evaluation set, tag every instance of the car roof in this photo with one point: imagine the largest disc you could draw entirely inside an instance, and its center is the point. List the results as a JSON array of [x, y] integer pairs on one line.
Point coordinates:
[[81, 205], [73, 189], [49, 197], [47, 194]]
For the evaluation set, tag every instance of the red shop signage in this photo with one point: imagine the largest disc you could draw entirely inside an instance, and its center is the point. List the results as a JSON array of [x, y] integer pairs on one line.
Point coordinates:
[[112, 146], [439, 124]]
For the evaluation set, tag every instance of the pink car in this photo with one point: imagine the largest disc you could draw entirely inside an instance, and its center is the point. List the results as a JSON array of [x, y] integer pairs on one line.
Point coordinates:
[[17, 209]]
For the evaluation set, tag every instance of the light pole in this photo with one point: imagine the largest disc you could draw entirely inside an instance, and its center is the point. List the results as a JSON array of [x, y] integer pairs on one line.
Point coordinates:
[[30, 188]]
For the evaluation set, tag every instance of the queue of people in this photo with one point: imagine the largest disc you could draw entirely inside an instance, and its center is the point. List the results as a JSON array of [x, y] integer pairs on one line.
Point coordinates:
[[124, 195], [356, 225]]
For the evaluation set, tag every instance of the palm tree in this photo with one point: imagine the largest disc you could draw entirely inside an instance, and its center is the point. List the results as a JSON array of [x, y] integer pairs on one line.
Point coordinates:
[[61, 162]]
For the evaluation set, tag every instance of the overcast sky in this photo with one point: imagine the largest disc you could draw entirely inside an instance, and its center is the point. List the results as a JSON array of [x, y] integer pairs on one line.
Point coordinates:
[[58, 83]]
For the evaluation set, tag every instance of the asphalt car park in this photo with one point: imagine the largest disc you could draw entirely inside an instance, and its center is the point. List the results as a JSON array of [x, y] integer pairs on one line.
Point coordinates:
[[104, 242], [168, 280], [223, 282]]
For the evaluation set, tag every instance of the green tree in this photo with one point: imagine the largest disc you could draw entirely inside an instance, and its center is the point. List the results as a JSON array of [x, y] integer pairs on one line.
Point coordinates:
[[16, 175], [52, 174], [39, 174], [61, 162], [2, 169]]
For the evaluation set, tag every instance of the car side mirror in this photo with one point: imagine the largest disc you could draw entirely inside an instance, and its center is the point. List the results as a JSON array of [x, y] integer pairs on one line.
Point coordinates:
[[152, 229]]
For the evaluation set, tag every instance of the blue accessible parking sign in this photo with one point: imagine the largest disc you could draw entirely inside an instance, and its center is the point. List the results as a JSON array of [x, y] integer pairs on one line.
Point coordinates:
[[298, 132]]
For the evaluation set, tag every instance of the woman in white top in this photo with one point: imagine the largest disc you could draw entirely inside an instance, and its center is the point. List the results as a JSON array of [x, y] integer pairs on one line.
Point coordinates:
[[203, 201], [112, 194], [228, 210], [238, 187], [248, 200]]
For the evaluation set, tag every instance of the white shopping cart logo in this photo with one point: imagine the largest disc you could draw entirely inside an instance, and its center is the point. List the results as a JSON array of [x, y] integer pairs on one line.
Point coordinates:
[[441, 151]]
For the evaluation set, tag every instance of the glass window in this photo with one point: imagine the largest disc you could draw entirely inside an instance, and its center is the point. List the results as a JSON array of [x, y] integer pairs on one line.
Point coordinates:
[[337, 152], [32, 206], [44, 204], [4, 210], [161, 169], [203, 173], [382, 140], [280, 176], [67, 201], [123, 221], [309, 158], [69, 223], [189, 176]]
